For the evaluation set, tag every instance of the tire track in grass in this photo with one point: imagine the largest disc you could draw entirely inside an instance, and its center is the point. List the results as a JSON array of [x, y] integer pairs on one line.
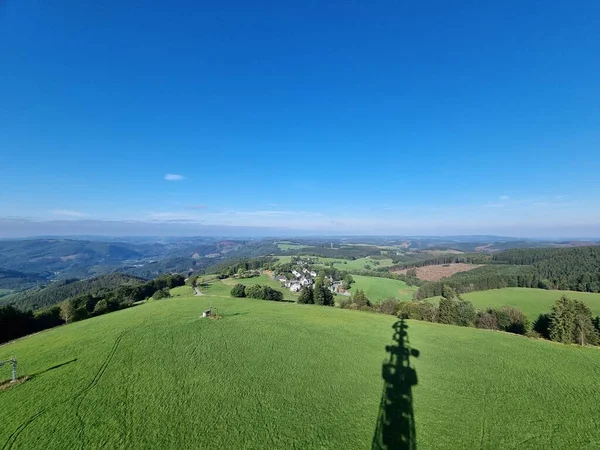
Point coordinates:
[[80, 398], [15, 434], [12, 438]]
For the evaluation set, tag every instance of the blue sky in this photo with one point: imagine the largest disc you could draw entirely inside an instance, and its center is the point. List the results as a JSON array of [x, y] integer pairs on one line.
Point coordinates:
[[322, 117]]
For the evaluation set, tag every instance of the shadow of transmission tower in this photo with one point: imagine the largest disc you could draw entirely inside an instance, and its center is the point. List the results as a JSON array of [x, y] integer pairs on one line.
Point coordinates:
[[395, 428]]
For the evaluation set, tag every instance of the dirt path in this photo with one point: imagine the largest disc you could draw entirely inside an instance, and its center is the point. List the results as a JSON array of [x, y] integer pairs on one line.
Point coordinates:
[[197, 292]]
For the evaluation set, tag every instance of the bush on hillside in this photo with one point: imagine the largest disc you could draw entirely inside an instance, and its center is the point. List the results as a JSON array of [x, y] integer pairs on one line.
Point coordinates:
[[388, 306], [263, 293], [161, 294], [466, 314], [418, 310], [239, 291], [448, 312], [486, 321], [510, 319]]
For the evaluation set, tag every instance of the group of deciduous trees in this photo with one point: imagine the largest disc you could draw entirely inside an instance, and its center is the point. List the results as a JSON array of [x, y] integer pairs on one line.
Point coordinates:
[[231, 268], [453, 310], [256, 291], [569, 321]]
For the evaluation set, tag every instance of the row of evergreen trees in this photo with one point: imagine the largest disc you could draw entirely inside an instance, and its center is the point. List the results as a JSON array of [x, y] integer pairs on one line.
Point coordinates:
[[320, 294], [576, 269]]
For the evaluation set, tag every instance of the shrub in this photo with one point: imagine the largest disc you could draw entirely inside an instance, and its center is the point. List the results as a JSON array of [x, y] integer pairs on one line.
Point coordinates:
[[264, 293], [465, 313], [388, 306], [428, 311], [360, 299], [509, 319], [486, 321], [239, 291], [409, 310], [448, 311], [161, 293]]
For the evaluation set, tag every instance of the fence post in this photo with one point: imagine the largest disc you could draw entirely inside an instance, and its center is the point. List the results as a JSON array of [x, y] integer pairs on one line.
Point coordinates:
[[14, 369]]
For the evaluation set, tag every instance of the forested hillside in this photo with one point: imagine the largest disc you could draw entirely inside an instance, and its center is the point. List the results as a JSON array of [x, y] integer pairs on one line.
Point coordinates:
[[13, 279], [468, 258], [56, 292], [575, 268]]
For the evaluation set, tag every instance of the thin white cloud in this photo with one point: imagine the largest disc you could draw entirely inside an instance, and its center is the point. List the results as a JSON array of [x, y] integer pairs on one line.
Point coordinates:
[[174, 177], [273, 205], [67, 213], [504, 197]]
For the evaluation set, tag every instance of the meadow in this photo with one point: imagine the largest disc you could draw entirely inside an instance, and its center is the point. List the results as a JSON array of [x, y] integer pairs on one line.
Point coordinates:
[[4, 292], [223, 287], [360, 263], [281, 375], [286, 245], [377, 289], [532, 302]]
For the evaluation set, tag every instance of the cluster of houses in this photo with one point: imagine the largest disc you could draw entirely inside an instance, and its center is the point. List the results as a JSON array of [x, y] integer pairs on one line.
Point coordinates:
[[306, 277], [301, 278]]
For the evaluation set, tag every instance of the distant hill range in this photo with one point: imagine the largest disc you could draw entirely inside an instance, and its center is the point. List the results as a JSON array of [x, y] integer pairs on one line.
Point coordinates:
[[42, 297], [28, 262]]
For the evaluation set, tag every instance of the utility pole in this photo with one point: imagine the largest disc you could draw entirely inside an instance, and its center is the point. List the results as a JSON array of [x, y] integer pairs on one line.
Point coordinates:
[[12, 361]]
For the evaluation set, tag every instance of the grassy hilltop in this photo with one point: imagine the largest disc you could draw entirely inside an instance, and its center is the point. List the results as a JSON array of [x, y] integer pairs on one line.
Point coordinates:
[[281, 375]]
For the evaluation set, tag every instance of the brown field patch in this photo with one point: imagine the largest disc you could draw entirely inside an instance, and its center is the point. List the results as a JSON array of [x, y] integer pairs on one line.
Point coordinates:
[[436, 273]]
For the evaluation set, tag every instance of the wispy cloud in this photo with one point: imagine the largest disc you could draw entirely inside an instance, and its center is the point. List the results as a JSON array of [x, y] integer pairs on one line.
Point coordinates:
[[504, 197], [174, 177], [196, 207], [67, 213], [273, 205]]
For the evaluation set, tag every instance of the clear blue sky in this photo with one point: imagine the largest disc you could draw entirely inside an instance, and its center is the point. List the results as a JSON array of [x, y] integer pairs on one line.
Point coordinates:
[[333, 117]]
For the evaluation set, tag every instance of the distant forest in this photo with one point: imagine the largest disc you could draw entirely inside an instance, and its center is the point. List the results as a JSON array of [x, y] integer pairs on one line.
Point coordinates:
[[575, 268], [42, 297]]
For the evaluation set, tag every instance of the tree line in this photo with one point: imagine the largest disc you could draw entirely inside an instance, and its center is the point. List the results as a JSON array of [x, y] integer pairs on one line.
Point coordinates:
[[257, 291], [231, 268], [15, 323], [569, 321], [467, 258]]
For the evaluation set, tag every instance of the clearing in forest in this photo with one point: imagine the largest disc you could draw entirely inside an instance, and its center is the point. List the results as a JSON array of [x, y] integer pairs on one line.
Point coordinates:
[[437, 272]]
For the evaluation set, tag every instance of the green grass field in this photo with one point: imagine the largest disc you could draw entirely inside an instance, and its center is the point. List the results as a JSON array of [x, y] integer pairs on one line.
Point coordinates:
[[291, 246], [182, 291], [4, 292], [222, 288], [532, 302], [281, 375], [377, 289], [284, 259], [360, 263]]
